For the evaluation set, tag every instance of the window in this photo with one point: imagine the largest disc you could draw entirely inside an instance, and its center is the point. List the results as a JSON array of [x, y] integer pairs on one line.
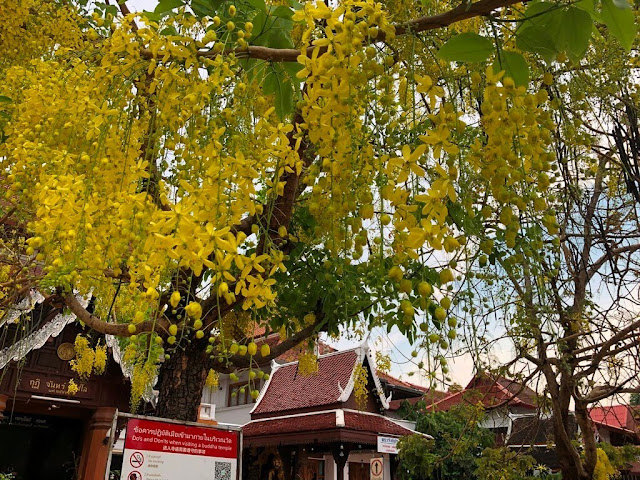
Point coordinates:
[[240, 393]]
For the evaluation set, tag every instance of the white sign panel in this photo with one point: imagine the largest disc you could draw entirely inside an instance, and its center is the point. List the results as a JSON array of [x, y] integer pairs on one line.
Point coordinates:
[[387, 444], [156, 450], [376, 469]]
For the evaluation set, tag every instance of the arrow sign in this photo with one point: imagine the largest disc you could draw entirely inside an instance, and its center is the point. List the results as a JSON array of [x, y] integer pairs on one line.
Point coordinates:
[[376, 469]]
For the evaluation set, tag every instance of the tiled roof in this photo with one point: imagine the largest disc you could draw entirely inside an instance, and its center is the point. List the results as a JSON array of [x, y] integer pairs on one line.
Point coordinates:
[[294, 354], [289, 390], [491, 392], [429, 398], [615, 416], [400, 383], [298, 424], [273, 339], [373, 423], [333, 419]]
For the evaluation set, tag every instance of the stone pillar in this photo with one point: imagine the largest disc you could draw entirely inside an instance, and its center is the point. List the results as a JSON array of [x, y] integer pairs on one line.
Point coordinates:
[[95, 448], [386, 458]]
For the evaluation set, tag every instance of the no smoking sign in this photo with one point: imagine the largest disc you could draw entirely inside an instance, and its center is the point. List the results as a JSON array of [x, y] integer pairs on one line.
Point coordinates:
[[136, 460]]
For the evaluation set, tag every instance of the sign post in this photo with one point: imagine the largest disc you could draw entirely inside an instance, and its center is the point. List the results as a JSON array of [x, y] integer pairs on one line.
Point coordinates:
[[376, 467], [158, 449]]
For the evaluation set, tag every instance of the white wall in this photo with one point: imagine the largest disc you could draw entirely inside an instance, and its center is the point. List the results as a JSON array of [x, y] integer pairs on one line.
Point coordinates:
[[497, 418], [237, 415]]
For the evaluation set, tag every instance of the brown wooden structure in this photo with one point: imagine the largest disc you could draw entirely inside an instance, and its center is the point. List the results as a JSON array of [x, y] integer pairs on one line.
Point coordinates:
[[304, 425], [46, 433]]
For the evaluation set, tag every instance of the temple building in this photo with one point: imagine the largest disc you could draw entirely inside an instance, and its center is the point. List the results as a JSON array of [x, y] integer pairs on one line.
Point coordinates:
[[322, 426]]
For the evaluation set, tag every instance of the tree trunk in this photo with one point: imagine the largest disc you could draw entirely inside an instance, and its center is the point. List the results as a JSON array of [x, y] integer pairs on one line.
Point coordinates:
[[588, 439], [572, 465], [181, 381]]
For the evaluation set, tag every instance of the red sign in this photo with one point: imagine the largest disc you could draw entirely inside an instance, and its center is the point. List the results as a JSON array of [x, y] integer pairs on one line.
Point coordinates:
[[166, 437]]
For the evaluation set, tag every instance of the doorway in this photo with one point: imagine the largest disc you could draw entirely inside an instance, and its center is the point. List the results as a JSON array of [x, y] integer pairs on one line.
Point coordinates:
[[36, 447], [358, 471]]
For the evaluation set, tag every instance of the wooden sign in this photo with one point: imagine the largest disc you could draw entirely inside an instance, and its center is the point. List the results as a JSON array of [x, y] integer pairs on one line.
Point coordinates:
[[53, 385]]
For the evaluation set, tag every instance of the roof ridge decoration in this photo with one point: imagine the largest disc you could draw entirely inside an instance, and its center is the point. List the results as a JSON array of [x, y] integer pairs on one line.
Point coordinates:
[[39, 337], [274, 367], [342, 394], [363, 352]]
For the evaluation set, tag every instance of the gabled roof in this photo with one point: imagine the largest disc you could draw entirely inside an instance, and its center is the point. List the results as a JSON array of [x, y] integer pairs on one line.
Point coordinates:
[[396, 382], [491, 391], [288, 390], [616, 417]]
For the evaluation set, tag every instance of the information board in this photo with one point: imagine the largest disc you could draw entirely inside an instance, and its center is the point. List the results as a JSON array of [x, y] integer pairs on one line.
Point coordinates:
[[387, 444], [156, 450]]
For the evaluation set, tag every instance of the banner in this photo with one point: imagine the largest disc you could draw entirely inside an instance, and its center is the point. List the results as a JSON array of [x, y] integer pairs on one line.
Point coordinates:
[[156, 450]]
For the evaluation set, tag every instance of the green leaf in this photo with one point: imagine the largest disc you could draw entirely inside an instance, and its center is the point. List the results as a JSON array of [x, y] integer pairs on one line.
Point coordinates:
[[620, 22], [282, 12], [622, 4], [272, 31], [551, 29], [170, 30], [4, 99], [514, 65], [536, 39], [466, 47], [589, 6], [154, 17], [574, 34], [258, 5], [277, 83], [205, 8], [292, 69], [166, 5], [538, 13]]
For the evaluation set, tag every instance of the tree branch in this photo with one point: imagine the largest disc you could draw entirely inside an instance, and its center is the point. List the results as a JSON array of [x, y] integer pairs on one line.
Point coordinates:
[[106, 328], [463, 11]]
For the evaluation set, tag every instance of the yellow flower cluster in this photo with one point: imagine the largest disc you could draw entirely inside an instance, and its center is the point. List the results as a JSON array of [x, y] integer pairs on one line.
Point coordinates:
[[212, 379], [308, 364], [143, 375], [72, 387], [85, 357], [360, 382], [31, 28], [100, 359], [85, 137]]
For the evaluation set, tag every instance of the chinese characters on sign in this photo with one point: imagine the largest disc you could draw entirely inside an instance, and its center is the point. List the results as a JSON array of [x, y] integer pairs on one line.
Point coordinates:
[[156, 450]]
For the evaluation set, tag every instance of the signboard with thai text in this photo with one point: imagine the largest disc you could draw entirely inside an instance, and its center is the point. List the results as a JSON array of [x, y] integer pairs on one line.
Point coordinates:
[[157, 450], [387, 444], [52, 385]]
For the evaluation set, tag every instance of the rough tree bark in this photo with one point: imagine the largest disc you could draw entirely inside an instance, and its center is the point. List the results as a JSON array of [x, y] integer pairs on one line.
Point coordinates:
[[181, 381]]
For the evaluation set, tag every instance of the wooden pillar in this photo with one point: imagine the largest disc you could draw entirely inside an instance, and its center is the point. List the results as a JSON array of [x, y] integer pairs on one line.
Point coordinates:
[[95, 448], [340, 456], [3, 404], [287, 463]]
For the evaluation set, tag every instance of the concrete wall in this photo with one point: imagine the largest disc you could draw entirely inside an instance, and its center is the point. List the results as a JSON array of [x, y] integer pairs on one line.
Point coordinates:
[[236, 415]]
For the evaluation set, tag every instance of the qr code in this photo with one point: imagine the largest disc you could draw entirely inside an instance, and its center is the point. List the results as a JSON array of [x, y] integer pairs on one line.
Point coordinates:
[[222, 471]]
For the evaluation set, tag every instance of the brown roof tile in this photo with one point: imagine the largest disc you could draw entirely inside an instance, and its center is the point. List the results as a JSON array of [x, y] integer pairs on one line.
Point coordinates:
[[289, 390], [315, 422]]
